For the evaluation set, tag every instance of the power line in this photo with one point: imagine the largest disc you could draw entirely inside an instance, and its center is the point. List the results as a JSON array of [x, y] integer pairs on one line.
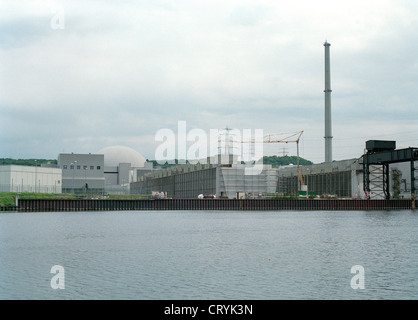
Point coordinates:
[[368, 137]]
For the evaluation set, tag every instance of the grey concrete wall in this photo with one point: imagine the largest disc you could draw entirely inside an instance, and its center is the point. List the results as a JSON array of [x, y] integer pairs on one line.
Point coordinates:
[[81, 169]]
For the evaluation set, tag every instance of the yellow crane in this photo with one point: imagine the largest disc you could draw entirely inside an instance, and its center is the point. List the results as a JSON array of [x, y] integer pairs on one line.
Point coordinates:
[[284, 138]]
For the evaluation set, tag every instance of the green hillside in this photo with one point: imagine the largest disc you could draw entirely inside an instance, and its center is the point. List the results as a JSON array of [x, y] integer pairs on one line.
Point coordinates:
[[276, 161]]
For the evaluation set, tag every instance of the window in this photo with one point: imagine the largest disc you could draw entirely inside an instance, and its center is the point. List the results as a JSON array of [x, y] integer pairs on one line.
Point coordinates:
[[98, 167], [85, 167], [91, 167], [78, 167], [64, 166], [72, 167]]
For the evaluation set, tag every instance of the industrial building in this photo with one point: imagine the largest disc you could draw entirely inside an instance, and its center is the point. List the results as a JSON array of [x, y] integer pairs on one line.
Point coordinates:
[[381, 173], [122, 165], [221, 176], [339, 179], [82, 173], [336, 179], [343, 179], [110, 170], [16, 178]]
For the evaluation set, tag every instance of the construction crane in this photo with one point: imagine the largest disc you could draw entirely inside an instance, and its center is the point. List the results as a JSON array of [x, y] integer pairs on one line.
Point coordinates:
[[284, 138]]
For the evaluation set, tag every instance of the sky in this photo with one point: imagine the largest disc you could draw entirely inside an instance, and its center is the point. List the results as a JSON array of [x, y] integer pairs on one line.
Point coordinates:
[[79, 76]]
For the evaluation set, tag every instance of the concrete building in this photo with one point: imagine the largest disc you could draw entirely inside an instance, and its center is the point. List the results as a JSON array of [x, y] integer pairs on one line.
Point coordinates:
[[181, 181], [111, 170], [15, 178], [82, 173], [343, 179], [340, 179], [122, 165], [219, 176]]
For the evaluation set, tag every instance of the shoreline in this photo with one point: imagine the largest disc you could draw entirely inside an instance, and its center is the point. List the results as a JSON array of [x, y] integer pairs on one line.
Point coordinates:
[[36, 205]]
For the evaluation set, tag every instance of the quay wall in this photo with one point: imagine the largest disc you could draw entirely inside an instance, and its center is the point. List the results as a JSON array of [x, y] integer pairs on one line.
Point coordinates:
[[211, 204]]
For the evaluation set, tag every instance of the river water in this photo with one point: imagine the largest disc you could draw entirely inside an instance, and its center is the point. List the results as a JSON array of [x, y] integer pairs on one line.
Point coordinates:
[[154, 255]]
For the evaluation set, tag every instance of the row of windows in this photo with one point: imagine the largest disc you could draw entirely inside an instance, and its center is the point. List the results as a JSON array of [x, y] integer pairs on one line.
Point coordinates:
[[79, 167]]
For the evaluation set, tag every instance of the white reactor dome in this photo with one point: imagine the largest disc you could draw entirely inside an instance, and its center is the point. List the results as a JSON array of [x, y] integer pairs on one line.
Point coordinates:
[[120, 154]]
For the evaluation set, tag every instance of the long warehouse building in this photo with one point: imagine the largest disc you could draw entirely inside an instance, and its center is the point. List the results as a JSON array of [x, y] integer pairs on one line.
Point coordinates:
[[221, 177], [230, 179]]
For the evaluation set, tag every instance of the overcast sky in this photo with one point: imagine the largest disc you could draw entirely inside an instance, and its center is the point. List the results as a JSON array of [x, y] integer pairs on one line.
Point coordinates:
[[78, 76]]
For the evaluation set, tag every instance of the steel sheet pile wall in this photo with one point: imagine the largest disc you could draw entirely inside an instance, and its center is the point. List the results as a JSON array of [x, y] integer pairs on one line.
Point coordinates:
[[211, 204]]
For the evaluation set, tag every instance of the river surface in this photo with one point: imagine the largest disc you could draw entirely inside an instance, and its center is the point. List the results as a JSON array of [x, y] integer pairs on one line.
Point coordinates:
[[254, 255]]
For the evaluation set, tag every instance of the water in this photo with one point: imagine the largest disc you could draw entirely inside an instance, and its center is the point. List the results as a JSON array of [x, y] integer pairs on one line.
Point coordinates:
[[209, 255]]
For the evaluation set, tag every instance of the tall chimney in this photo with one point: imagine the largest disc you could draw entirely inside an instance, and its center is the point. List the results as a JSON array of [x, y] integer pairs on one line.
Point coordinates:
[[328, 129]]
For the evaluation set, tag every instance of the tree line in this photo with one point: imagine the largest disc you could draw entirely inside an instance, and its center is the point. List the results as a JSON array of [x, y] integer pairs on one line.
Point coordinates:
[[275, 161], [26, 162]]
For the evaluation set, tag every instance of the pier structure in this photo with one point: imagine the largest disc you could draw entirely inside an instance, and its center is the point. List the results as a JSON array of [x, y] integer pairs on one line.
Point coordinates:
[[33, 205]]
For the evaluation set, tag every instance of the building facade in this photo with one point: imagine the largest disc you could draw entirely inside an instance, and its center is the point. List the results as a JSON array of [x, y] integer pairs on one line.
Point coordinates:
[[220, 179], [82, 173], [15, 178], [111, 170], [122, 165], [342, 179]]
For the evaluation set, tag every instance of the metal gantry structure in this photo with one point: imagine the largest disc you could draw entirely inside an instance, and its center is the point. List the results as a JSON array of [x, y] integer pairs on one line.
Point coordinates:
[[376, 160]]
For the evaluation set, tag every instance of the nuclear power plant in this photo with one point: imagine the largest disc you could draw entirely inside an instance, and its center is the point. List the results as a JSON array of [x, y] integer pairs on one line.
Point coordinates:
[[351, 178], [382, 172]]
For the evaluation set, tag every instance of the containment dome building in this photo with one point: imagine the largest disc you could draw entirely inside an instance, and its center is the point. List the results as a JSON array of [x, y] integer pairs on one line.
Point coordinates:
[[122, 165], [115, 155]]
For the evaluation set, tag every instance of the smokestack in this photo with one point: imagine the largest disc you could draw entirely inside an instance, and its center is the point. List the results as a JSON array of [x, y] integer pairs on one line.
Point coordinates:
[[328, 129]]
